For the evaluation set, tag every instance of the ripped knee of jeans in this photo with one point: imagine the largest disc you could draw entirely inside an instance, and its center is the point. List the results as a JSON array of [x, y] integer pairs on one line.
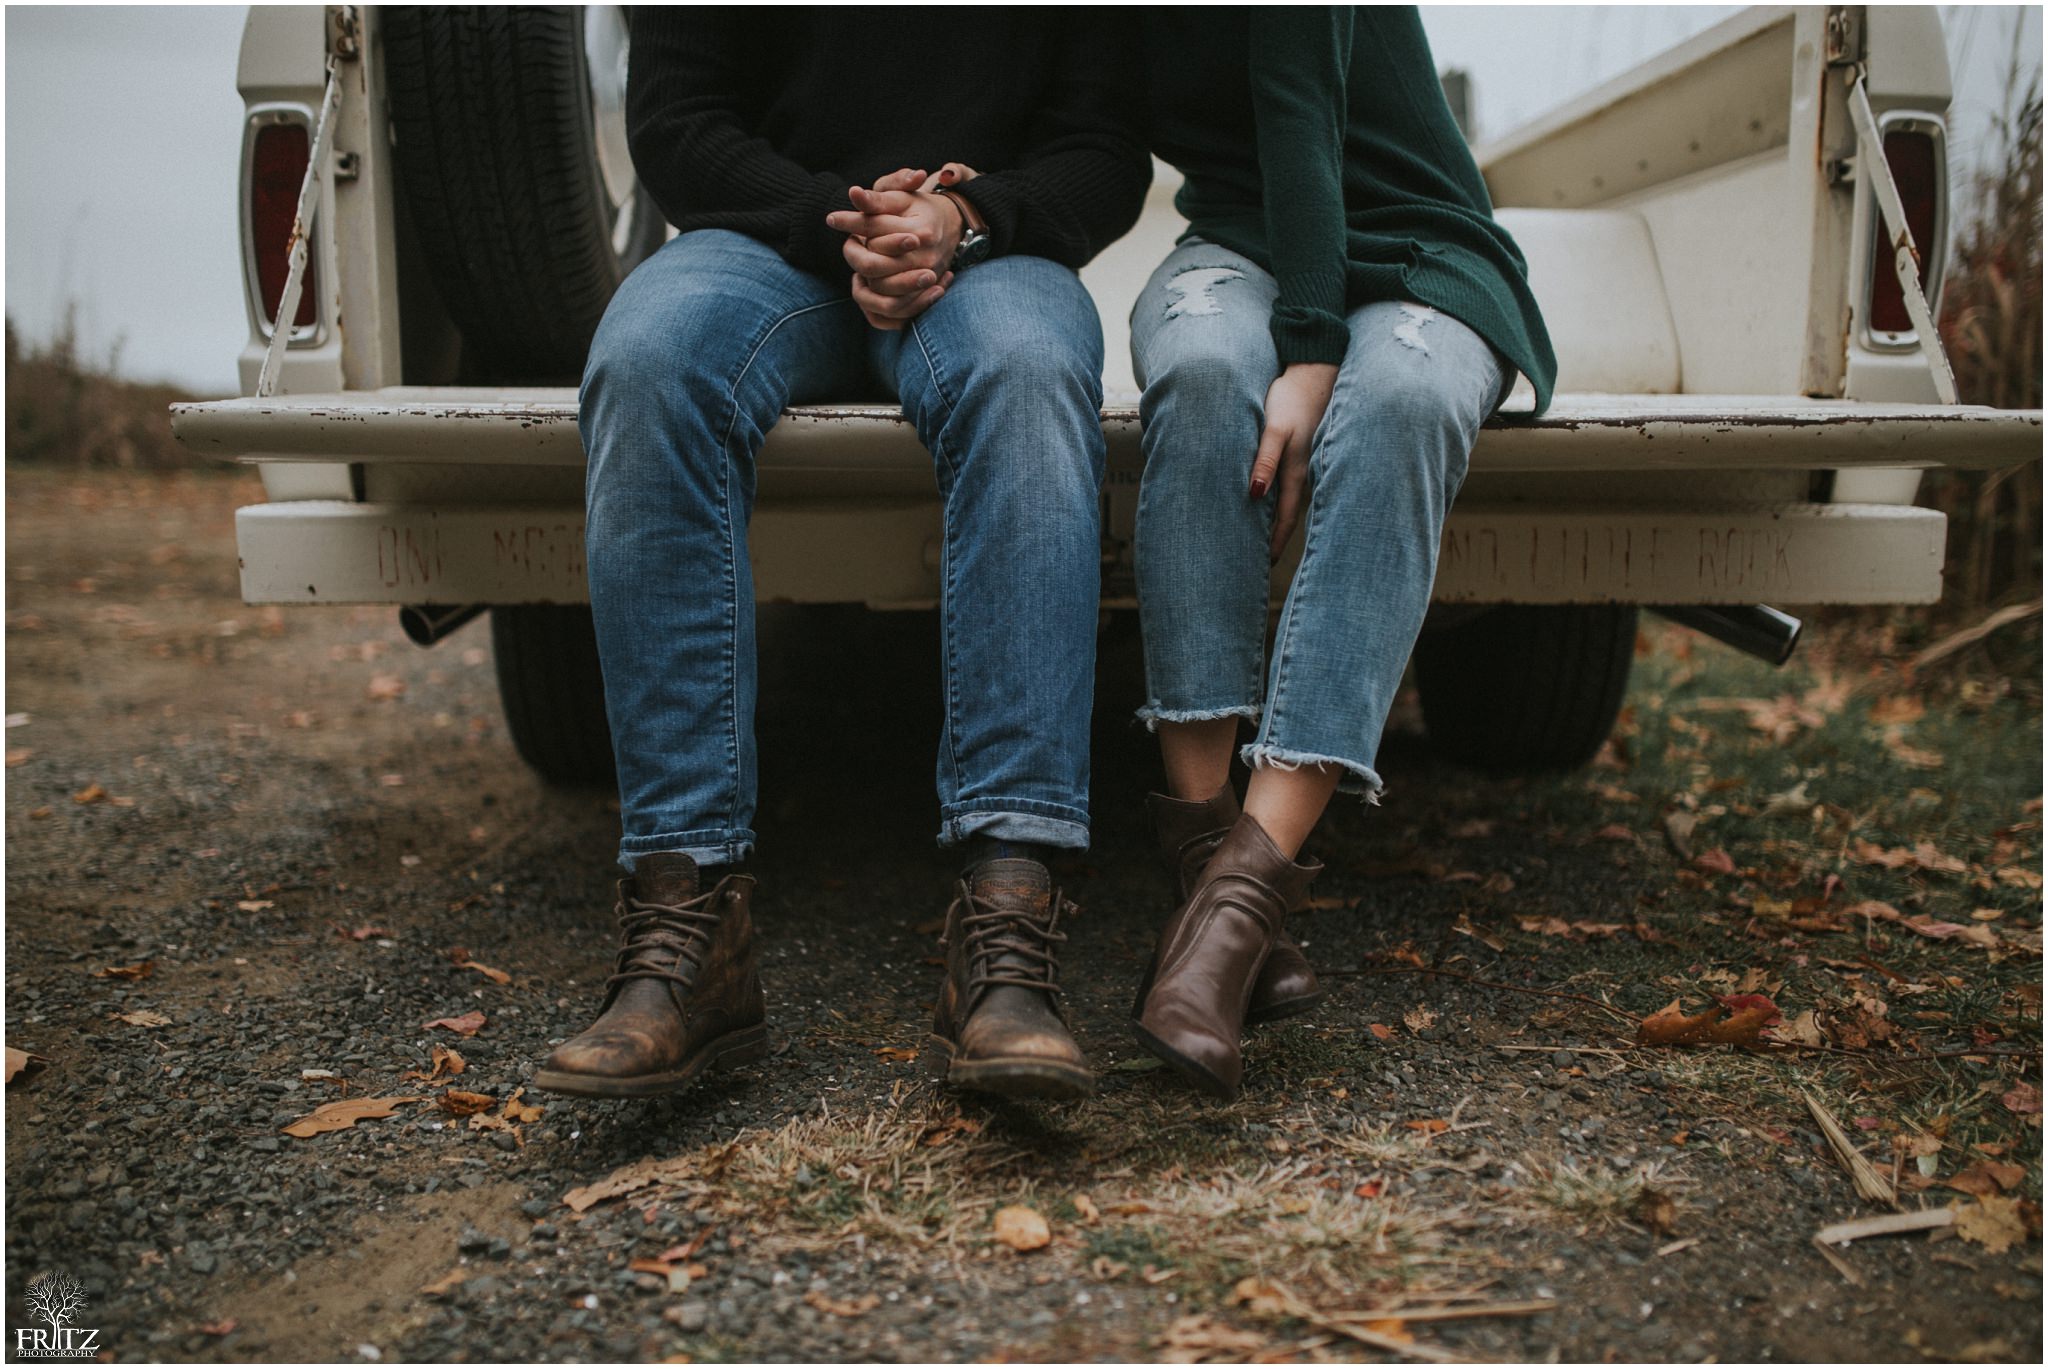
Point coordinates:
[[1408, 332], [1193, 291]]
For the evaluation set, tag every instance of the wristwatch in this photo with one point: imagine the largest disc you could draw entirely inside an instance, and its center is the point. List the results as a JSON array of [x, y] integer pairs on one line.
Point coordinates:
[[975, 243]]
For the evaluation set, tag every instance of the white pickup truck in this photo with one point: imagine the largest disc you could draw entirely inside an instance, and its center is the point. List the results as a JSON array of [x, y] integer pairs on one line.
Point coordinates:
[[1744, 404]]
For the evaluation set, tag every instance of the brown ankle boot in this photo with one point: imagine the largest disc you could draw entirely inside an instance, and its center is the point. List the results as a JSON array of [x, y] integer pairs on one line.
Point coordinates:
[[1210, 955], [1189, 832], [686, 995], [998, 1027]]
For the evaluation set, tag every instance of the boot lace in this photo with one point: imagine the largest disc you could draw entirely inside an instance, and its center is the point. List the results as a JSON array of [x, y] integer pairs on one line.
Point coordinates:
[[1027, 944], [663, 940]]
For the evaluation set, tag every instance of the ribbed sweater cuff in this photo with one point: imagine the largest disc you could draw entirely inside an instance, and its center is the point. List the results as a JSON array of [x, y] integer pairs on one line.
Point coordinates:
[[1309, 335], [813, 244]]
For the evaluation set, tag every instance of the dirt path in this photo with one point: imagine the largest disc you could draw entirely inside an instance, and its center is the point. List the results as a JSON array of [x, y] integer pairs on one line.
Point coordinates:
[[296, 819]]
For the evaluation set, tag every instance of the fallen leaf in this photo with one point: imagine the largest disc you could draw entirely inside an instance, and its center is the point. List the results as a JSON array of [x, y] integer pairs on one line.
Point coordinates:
[[1418, 1019], [462, 1103], [1913, 757], [1201, 1338], [19, 755], [1658, 1212], [254, 905], [1381, 1031], [1898, 709], [1085, 1205], [1924, 855], [140, 970], [1428, 1126], [344, 1113], [902, 1055], [1463, 927], [516, 1111], [225, 1326], [2022, 1099], [1986, 1178], [1714, 862], [495, 976], [1793, 802], [1803, 1029], [1021, 1229], [385, 687], [18, 1061], [92, 793], [842, 1307], [625, 1179], [1994, 1223], [1736, 1020], [143, 1018], [441, 1287], [469, 1024]]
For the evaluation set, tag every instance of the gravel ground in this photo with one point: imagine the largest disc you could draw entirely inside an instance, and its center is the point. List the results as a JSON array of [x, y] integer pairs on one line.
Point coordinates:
[[302, 824]]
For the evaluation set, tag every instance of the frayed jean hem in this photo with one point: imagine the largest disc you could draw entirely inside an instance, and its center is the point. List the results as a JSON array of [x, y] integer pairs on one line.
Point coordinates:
[[705, 847], [1361, 780], [1048, 824], [1152, 714]]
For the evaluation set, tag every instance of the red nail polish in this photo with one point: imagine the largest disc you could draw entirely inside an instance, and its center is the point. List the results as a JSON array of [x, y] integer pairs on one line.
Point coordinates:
[[1259, 488]]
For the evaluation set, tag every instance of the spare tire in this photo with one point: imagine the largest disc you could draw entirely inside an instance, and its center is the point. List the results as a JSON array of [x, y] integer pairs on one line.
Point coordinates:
[[1523, 688], [511, 154]]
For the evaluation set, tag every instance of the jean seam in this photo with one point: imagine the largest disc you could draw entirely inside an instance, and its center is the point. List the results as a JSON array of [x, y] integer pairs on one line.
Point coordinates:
[[732, 555], [948, 480]]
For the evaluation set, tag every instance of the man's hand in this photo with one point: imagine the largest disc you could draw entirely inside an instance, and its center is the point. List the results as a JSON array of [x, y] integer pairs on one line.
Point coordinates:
[[901, 237], [1294, 410]]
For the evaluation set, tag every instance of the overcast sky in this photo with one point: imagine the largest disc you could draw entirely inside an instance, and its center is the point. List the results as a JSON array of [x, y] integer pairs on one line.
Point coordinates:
[[123, 127]]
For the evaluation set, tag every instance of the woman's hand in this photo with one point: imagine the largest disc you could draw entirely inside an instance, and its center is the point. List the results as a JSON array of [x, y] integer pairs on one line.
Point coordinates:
[[1294, 409], [901, 239]]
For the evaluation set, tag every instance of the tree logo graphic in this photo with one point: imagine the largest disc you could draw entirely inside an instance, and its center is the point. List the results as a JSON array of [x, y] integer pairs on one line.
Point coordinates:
[[56, 1299]]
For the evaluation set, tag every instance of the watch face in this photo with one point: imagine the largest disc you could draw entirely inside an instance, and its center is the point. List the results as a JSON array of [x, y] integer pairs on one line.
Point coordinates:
[[973, 248]]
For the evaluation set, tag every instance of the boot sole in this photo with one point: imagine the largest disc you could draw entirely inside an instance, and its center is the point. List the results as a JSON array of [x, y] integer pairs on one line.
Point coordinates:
[[1018, 1077], [1280, 1009], [1196, 1074], [722, 1052]]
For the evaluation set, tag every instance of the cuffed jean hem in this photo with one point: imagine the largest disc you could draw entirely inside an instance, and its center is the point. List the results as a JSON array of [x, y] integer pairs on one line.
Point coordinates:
[[1361, 780], [1048, 824], [1152, 714], [712, 846]]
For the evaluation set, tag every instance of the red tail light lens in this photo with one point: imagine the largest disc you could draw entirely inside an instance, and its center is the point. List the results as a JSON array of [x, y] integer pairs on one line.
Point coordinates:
[[277, 170], [1916, 168]]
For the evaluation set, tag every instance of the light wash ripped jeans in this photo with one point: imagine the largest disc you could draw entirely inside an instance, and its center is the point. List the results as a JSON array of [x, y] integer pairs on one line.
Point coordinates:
[[697, 355], [1388, 459]]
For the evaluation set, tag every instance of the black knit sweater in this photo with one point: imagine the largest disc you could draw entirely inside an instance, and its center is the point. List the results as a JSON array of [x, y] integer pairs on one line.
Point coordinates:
[[757, 119]]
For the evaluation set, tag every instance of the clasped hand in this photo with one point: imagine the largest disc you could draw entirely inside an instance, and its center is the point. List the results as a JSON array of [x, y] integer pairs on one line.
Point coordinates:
[[901, 237]]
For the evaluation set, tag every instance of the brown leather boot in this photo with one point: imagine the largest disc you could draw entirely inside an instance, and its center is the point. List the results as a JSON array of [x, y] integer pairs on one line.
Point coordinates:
[[1189, 832], [686, 995], [998, 1027], [1210, 955]]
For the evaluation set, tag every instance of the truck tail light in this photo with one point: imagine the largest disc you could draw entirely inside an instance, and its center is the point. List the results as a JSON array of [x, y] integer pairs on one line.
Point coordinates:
[[277, 170], [1917, 169]]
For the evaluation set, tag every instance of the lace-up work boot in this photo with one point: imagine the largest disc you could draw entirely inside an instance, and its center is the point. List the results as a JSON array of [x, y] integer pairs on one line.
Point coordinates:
[[685, 996], [1189, 832], [1210, 955], [999, 1027]]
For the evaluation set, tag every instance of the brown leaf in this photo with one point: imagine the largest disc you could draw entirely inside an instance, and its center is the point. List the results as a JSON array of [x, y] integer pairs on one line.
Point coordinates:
[[1085, 1205], [18, 1061], [1736, 1020], [842, 1307], [495, 976], [443, 1286], [1714, 862], [140, 970], [1898, 709], [1923, 854], [1020, 1228], [384, 687], [1200, 1338], [469, 1024], [1381, 1031], [463, 1104], [647, 1266], [344, 1113], [516, 1111], [19, 755], [1994, 1223], [92, 793], [224, 1327], [1463, 927], [143, 1018], [901, 1055], [1986, 1178], [1428, 1126], [1419, 1019], [1658, 1212], [2022, 1099]]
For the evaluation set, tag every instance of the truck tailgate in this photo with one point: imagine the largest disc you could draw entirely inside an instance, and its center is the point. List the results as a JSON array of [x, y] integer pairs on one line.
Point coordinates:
[[1581, 432]]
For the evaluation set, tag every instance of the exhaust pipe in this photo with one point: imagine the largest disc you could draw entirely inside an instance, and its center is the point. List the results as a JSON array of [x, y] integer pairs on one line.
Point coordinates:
[[1758, 629], [427, 624]]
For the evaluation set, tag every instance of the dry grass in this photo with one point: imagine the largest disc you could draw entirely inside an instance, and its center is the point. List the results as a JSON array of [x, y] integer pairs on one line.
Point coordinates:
[[68, 409]]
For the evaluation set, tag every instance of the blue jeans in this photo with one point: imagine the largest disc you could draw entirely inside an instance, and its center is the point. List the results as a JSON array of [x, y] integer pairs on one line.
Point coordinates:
[[1388, 459], [699, 352]]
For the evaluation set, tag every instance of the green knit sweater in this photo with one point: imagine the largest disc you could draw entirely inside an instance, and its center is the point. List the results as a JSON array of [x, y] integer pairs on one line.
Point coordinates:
[[1316, 141]]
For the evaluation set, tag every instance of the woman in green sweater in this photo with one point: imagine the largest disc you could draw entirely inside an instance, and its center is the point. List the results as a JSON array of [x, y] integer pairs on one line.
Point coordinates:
[[1319, 351]]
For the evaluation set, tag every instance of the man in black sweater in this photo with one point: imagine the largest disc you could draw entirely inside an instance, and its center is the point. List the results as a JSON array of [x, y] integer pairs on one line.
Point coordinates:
[[817, 258]]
